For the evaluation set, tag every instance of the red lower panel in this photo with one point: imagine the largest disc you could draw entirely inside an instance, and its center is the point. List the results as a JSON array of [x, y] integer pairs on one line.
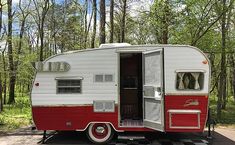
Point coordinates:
[[73, 118], [185, 113], [68, 118], [184, 120]]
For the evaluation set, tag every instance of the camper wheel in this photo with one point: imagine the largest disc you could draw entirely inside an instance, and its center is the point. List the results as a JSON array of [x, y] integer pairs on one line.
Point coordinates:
[[100, 133]]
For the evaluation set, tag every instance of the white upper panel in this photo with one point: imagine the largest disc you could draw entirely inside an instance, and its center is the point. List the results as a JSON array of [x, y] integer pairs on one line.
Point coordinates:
[[82, 65], [185, 59], [87, 63]]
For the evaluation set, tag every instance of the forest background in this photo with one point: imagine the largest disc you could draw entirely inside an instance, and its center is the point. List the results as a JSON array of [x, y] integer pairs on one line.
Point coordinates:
[[33, 30]]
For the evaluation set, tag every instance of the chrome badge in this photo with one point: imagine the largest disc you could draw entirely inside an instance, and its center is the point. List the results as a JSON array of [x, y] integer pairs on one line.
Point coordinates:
[[191, 102]]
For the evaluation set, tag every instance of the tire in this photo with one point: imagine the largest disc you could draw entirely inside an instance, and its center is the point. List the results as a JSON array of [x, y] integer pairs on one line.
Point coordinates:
[[100, 133]]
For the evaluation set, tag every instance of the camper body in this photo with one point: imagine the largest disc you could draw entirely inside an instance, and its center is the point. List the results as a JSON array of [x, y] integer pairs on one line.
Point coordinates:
[[122, 88]]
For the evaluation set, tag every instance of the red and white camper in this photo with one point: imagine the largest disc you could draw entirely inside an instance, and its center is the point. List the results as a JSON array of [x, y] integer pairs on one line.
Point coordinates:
[[121, 87]]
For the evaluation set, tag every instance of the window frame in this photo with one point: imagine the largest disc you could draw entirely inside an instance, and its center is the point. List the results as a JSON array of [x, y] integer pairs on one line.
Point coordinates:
[[68, 79], [190, 71], [103, 76]]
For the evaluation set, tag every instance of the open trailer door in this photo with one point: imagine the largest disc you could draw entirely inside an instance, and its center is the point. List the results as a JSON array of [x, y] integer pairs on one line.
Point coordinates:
[[153, 115]]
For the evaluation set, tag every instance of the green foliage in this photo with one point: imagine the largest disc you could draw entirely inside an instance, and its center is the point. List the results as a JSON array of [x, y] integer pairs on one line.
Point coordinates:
[[188, 22], [228, 114], [16, 115]]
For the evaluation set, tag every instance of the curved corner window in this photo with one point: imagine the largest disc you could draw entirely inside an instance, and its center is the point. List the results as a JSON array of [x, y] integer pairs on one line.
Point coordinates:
[[189, 80]]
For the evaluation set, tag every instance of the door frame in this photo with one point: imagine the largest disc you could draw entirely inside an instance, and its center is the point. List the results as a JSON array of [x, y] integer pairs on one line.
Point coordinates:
[[134, 51]]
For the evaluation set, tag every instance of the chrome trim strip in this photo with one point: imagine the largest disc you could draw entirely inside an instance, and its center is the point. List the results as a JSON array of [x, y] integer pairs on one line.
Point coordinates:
[[187, 94], [65, 105], [190, 70], [100, 122]]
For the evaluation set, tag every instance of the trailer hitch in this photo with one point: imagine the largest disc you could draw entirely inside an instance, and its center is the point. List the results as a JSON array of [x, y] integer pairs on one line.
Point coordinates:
[[210, 121]]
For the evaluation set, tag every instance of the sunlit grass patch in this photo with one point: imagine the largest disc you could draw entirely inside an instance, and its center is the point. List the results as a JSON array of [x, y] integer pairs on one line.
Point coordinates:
[[16, 115]]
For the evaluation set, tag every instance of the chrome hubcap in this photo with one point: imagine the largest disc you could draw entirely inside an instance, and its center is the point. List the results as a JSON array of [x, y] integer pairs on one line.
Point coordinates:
[[100, 129]]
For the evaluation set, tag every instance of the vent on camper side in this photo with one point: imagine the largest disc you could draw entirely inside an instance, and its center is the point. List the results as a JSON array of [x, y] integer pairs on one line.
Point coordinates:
[[104, 106]]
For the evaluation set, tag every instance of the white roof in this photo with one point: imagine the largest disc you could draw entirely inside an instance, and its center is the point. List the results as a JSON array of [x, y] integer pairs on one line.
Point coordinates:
[[107, 45]]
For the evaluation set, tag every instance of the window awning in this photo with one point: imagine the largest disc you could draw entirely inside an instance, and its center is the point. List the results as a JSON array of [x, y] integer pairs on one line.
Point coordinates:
[[69, 78]]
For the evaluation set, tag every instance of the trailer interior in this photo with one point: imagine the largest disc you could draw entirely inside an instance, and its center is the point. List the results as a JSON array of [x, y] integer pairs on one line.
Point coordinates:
[[131, 86]]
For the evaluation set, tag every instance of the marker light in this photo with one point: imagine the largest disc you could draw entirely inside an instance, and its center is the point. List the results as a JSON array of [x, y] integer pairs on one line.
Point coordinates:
[[205, 62]]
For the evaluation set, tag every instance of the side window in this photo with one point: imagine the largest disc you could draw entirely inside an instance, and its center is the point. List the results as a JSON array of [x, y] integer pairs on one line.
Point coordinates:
[[71, 86], [99, 78], [189, 80], [103, 78], [108, 78]]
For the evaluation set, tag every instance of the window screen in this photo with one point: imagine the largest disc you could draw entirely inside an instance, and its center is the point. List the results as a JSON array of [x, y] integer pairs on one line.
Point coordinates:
[[190, 81], [68, 86]]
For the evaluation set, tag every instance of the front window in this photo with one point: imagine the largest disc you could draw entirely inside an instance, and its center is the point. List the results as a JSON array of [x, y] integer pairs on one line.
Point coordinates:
[[189, 80], [69, 86]]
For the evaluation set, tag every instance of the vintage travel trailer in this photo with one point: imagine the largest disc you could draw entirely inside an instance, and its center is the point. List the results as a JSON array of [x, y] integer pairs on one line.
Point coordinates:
[[121, 87]]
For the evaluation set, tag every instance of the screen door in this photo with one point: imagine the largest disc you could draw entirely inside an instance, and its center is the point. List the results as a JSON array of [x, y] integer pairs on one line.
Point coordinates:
[[153, 90]]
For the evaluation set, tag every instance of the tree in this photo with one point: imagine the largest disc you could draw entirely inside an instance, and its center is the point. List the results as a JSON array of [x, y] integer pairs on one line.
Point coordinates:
[[94, 11], [1, 86], [4, 74], [123, 21], [42, 8], [12, 75], [225, 22], [162, 18], [24, 13], [102, 21], [1, 100], [111, 21]]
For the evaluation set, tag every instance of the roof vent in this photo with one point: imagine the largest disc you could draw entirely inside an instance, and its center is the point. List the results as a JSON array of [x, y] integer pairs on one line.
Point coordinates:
[[107, 45]]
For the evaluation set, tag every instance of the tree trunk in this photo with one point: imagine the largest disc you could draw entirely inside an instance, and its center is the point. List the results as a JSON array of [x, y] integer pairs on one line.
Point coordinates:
[[165, 23], [5, 78], [1, 7], [41, 34], [41, 28], [222, 80], [111, 21], [22, 29], [102, 21], [123, 24], [1, 104], [10, 55], [53, 27], [233, 76], [85, 23], [94, 7], [1, 88]]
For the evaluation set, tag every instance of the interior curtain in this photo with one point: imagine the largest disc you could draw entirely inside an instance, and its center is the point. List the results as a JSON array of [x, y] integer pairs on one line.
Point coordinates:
[[181, 83], [196, 77], [186, 82]]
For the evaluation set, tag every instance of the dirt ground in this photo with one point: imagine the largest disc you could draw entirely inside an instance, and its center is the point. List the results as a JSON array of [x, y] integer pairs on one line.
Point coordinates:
[[25, 136]]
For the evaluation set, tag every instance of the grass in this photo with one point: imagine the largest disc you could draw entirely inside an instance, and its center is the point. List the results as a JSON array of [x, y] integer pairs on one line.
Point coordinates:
[[227, 115], [16, 115]]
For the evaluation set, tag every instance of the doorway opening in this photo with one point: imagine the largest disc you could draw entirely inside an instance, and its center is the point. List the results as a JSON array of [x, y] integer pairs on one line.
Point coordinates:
[[131, 90]]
